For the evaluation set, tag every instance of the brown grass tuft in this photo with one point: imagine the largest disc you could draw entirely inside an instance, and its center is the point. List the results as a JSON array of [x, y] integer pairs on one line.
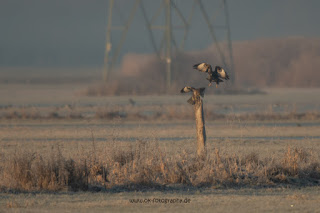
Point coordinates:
[[145, 165]]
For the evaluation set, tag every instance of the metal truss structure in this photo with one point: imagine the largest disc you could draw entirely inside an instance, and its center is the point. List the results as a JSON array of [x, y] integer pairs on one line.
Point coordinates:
[[164, 47]]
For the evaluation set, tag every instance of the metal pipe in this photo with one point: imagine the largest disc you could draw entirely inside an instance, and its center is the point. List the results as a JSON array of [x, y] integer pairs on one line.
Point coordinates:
[[108, 42], [168, 43], [212, 33], [124, 33], [229, 41], [148, 25]]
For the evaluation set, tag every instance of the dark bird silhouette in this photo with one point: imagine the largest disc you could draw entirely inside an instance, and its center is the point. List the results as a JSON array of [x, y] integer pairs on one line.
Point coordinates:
[[132, 102], [215, 75], [196, 93]]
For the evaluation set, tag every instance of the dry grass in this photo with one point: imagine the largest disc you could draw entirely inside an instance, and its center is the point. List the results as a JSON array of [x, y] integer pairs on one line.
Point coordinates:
[[145, 165], [26, 171]]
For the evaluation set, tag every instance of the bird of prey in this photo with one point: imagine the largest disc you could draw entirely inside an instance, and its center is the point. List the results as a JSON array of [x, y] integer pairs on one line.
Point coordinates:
[[215, 75], [196, 93]]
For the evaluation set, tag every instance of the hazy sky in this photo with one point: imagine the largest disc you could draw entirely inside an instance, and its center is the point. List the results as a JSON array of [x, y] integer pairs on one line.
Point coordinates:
[[72, 32]]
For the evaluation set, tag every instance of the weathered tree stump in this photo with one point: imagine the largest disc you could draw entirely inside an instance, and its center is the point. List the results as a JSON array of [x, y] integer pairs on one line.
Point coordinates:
[[201, 129], [199, 117]]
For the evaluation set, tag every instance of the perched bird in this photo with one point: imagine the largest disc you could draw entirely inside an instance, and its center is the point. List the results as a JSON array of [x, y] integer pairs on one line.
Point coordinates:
[[196, 93], [215, 75], [192, 89]]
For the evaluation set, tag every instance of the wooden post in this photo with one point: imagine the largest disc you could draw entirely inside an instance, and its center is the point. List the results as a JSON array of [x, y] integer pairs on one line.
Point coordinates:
[[200, 125]]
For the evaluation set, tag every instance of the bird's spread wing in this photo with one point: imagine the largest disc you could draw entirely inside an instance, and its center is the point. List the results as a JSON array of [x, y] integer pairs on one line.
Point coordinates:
[[221, 73], [203, 67], [191, 101]]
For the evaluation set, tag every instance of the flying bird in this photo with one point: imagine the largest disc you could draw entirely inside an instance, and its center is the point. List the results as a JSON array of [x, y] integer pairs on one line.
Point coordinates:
[[196, 93], [215, 75]]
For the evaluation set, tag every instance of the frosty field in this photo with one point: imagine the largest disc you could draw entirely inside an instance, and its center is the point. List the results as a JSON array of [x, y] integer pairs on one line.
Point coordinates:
[[263, 151]]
